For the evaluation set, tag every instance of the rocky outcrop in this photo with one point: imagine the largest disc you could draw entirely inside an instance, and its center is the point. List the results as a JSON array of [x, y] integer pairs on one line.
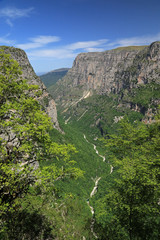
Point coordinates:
[[28, 73], [144, 69], [131, 73], [111, 71], [97, 71]]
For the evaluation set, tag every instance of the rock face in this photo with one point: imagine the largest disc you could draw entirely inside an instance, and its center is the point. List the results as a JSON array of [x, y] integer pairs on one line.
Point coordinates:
[[97, 70], [144, 69], [28, 73], [110, 71]]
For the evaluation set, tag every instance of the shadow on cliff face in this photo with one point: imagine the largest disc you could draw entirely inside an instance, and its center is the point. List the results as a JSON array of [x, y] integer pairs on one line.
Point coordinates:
[[100, 128]]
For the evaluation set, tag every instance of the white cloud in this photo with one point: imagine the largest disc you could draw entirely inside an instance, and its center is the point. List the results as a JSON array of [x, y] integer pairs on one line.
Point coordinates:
[[38, 51], [3, 40], [45, 39], [135, 41], [70, 51], [67, 51], [8, 21], [27, 46], [94, 49], [12, 13], [53, 53], [38, 42], [87, 44]]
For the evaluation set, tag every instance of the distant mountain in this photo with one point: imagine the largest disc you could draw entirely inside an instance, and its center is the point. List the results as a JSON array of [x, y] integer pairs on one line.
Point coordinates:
[[52, 77], [40, 73]]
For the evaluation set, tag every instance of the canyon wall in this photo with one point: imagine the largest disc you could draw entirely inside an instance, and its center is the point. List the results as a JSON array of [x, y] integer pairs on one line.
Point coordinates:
[[28, 73], [110, 71]]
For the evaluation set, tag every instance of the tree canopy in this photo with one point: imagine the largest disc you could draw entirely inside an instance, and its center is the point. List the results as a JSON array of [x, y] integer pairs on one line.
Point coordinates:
[[25, 140], [130, 208]]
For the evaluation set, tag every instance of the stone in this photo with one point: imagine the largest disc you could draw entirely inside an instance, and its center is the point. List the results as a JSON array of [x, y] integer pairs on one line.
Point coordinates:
[[115, 71], [28, 73]]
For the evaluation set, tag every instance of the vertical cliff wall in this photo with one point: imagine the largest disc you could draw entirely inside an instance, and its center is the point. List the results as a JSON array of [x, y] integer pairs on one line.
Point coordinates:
[[96, 71], [144, 69], [28, 73], [112, 71]]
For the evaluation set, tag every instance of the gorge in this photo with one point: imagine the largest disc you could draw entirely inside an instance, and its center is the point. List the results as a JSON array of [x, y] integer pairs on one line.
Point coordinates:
[[103, 175]]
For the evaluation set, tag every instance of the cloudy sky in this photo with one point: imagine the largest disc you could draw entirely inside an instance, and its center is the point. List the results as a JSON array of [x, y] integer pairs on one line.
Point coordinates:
[[53, 32]]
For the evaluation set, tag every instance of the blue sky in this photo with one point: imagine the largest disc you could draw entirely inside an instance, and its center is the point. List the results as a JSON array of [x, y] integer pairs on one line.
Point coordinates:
[[53, 32]]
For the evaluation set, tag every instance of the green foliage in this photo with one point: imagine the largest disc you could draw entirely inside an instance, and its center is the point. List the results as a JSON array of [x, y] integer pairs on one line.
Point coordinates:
[[85, 157], [94, 115], [130, 207], [27, 224], [126, 195], [51, 78], [57, 217], [24, 142], [146, 95], [23, 129], [49, 203]]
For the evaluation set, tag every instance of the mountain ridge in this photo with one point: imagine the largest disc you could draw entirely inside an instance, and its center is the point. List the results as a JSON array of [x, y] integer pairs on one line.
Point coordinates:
[[130, 76], [110, 71], [28, 73], [53, 76], [96, 71]]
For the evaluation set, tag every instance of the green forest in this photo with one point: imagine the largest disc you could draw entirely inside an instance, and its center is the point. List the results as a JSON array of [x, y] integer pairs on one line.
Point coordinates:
[[47, 177]]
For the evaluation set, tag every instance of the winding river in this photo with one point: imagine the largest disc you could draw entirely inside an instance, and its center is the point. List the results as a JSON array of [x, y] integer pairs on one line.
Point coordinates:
[[94, 190]]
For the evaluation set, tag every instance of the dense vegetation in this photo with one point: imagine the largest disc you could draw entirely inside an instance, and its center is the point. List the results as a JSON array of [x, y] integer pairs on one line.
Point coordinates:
[[52, 77], [128, 206], [46, 177], [127, 202], [28, 207]]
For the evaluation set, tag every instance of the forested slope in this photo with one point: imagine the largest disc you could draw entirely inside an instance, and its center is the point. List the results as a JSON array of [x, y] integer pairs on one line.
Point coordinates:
[[122, 108], [97, 178]]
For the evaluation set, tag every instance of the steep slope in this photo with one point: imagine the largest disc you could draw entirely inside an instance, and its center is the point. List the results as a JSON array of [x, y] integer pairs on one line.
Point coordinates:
[[102, 87], [95, 72], [111, 71], [144, 69], [98, 91], [28, 73]]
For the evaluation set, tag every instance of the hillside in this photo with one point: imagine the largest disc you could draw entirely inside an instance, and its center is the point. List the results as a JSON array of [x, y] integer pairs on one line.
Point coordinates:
[[28, 73], [52, 77], [100, 90], [39, 165], [43, 203], [99, 176], [126, 80]]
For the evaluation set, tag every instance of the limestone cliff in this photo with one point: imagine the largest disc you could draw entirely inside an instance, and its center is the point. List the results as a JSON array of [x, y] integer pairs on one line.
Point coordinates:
[[28, 73], [144, 69], [116, 71], [96, 71]]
